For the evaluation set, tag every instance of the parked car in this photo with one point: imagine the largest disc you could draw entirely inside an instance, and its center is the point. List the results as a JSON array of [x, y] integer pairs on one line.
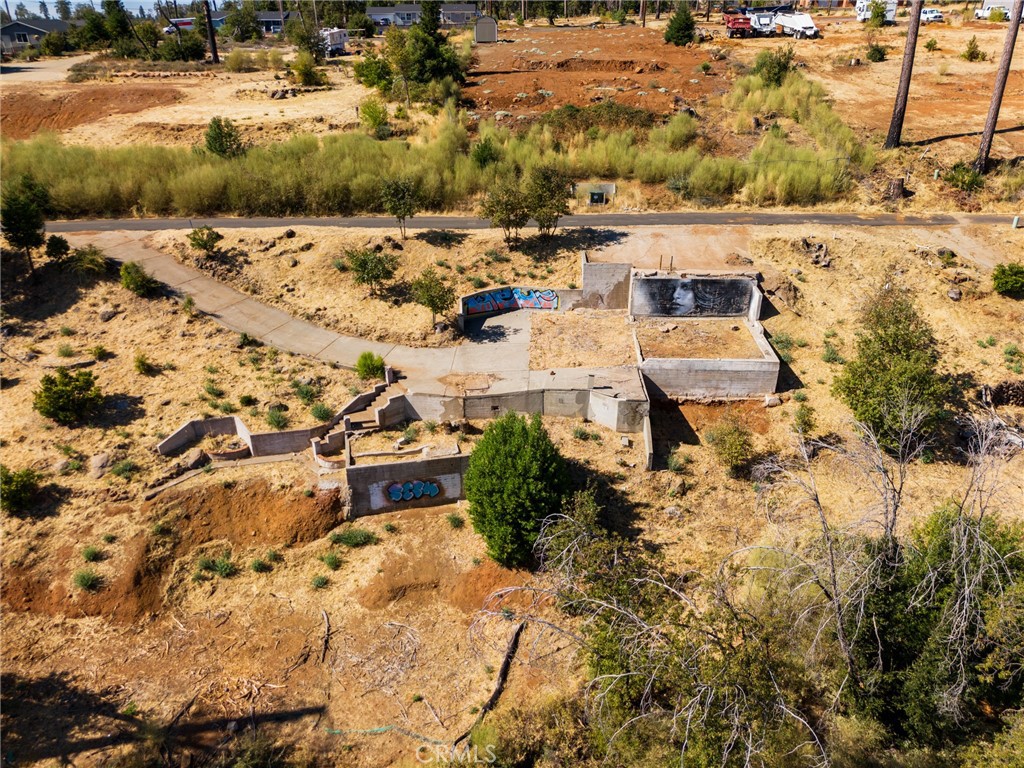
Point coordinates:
[[929, 15], [985, 11]]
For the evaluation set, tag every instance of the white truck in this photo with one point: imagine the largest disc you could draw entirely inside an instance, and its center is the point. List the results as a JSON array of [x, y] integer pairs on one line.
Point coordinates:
[[864, 10], [796, 25], [762, 24], [991, 5]]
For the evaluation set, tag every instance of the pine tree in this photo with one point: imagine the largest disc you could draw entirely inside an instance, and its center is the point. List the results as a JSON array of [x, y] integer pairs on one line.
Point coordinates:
[[680, 29]]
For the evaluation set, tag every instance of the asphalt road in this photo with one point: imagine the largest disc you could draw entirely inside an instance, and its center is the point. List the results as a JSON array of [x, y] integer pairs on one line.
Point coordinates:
[[721, 218]]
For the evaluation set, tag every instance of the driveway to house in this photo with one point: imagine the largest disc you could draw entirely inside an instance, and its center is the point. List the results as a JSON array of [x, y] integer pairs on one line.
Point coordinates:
[[42, 71]]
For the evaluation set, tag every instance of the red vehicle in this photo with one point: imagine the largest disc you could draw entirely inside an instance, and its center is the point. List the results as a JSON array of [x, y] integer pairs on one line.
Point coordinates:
[[737, 25]]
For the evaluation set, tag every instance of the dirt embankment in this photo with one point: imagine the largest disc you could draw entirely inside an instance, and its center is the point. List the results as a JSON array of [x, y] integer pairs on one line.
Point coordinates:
[[24, 112]]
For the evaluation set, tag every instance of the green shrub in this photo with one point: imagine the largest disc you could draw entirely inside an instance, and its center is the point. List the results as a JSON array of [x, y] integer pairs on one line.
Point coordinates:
[[67, 398], [877, 18], [320, 581], [998, 15], [124, 469], [260, 566], [136, 279], [456, 521], [212, 388], [143, 365], [247, 401], [277, 418], [331, 560], [305, 71], [53, 44], [373, 113], [17, 489], [773, 66], [973, 51], [205, 239], [87, 580], [354, 538], [485, 153], [65, 350], [876, 52], [964, 177], [803, 420], [1008, 279], [681, 26], [306, 393], [371, 268], [223, 138], [321, 412], [515, 479], [223, 566], [831, 354], [239, 61], [92, 554], [370, 366], [89, 261], [731, 442], [931, 45], [57, 248]]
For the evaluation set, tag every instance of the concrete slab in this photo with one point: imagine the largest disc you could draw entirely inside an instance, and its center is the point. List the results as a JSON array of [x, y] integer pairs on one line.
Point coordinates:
[[345, 350], [250, 316], [209, 295], [492, 358], [422, 361]]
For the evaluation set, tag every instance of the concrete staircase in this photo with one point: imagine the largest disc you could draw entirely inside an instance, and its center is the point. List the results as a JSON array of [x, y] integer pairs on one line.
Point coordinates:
[[366, 419]]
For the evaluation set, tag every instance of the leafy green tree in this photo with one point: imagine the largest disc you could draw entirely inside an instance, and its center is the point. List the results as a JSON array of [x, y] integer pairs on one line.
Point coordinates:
[[400, 198], [484, 153], [371, 268], [17, 489], [23, 206], [53, 44], [361, 24], [205, 239], [67, 398], [1008, 279], [63, 8], [681, 27], [433, 292], [877, 18], [516, 478], [242, 23], [188, 46], [306, 39], [505, 207], [896, 368], [430, 18], [547, 197], [375, 72], [223, 138]]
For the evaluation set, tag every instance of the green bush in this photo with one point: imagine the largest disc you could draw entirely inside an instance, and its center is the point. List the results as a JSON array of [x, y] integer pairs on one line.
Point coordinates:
[[896, 366], [17, 489], [370, 366], [87, 580], [373, 113], [876, 52], [973, 51], [485, 153], [259, 565], [125, 469], [371, 268], [998, 15], [731, 442], [306, 73], [515, 479], [773, 66], [456, 521], [53, 44], [277, 418], [320, 581], [321, 412], [67, 398], [223, 138], [331, 560], [877, 19], [136, 279], [931, 45], [354, 538], [964, 177], [205, 239], [239, 61], [92, 554], [1008, 279], [191, 47]]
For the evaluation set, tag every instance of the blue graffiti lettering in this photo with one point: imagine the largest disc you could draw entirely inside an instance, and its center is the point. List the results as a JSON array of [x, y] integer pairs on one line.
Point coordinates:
[[412, 489]]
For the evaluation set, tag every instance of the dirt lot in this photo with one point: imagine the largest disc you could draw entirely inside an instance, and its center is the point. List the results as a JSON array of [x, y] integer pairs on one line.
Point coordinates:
[[401, 651], [696, 338], [580, 338]]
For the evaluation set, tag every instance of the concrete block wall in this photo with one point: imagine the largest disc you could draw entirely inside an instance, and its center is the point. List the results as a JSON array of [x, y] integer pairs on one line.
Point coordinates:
[[369, 483], [287, 441], [710, 378], [195, 429], [394, 411], [605, 286]]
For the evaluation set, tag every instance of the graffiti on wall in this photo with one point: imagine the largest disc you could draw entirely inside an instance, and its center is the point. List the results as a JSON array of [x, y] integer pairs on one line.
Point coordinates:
[[694, 297], [412, 489], [507, 299]]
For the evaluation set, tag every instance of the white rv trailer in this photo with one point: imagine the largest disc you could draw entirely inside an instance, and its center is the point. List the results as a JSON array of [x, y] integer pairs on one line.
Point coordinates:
[[797, 25], [864, 10]]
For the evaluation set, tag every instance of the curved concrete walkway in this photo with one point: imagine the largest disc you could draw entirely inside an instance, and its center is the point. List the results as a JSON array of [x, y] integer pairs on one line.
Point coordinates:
[[277, 328]]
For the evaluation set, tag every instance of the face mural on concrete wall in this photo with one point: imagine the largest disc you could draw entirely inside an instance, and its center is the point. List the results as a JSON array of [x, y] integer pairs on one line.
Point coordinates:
[[694, 297]]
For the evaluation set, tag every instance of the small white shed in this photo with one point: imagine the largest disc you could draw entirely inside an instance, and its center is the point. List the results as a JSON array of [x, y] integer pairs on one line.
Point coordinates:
[[485, 30]]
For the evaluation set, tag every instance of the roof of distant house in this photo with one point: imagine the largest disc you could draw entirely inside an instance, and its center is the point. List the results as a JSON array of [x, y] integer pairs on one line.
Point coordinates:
[[413, 7], [43, 25]]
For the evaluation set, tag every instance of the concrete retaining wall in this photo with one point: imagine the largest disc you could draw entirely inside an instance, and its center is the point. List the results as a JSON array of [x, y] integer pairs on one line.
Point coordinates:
[[605, 286], [394, 411], [672, 379], [369, 484]]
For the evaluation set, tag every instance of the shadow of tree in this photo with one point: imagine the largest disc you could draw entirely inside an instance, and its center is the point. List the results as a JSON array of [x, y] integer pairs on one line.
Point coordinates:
[[54, 718], [618, 512], [441, 238], [540, 247]]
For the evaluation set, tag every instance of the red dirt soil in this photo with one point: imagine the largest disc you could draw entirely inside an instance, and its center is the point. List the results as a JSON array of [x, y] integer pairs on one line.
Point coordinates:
[[578, 65], [24, 112]]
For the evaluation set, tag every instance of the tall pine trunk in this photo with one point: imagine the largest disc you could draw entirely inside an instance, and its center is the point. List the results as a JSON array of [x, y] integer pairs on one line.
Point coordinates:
[[981, 164], [899, 111]]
